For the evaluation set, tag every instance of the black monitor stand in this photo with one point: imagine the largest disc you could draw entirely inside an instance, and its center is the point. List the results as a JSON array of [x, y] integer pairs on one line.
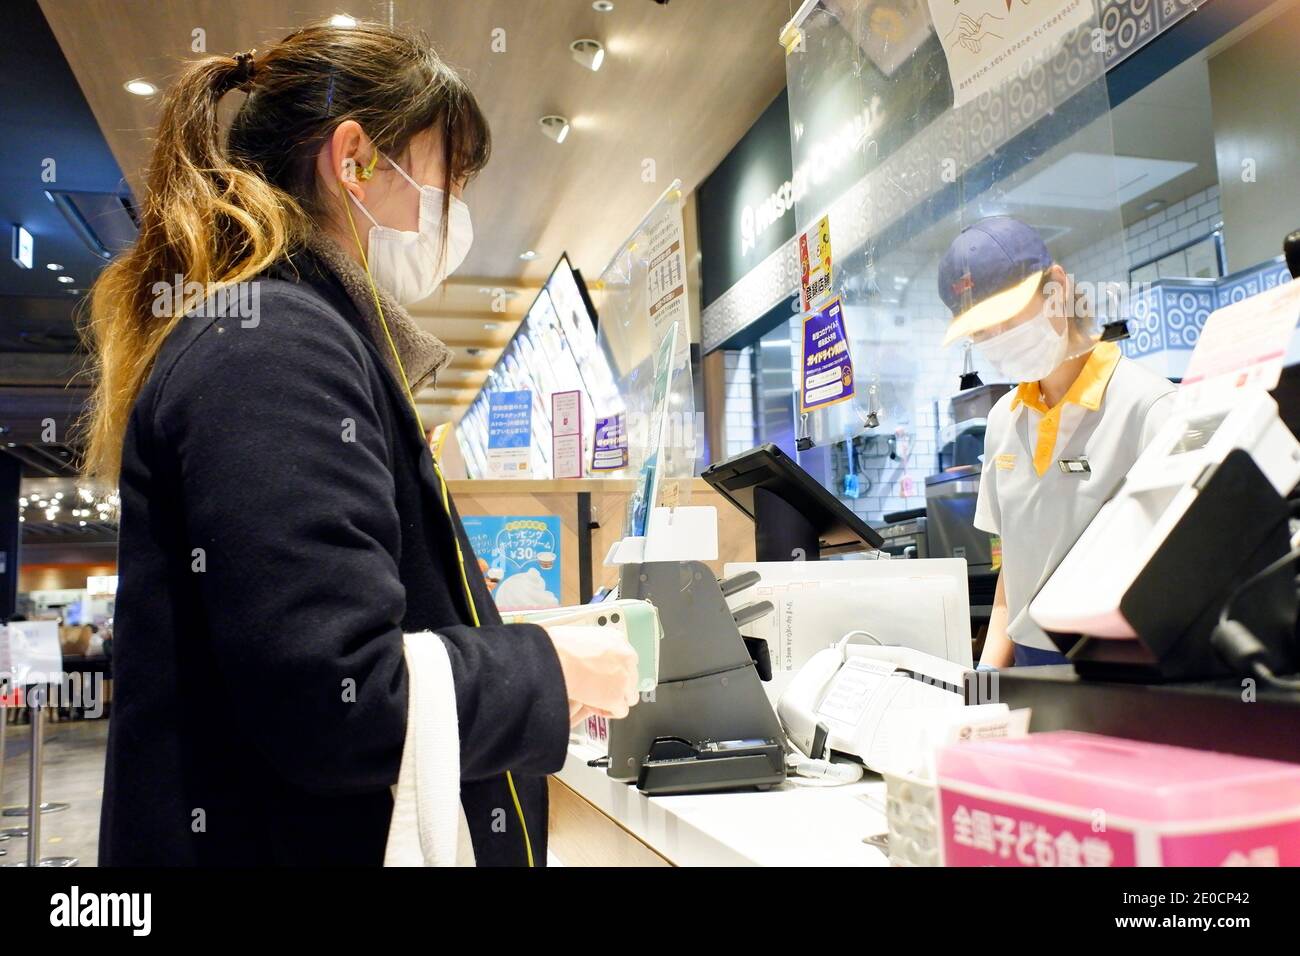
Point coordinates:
[[781, 531], [795, 518]]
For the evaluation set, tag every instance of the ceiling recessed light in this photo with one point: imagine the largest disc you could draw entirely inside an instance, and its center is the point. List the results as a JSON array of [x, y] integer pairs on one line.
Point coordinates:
[[602, 6], [140, 87], [66, 279], [588, 53], [528, 255], [556, 127], [54, 267], [342, 20], [491, 326], [1153, 205]]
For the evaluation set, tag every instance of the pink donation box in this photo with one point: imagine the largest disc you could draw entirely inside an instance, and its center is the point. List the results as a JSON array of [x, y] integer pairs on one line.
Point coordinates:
[[1070, 799]]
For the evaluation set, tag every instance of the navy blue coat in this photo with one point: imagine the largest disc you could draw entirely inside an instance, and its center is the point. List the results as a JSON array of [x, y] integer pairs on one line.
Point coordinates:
[[268, 568]]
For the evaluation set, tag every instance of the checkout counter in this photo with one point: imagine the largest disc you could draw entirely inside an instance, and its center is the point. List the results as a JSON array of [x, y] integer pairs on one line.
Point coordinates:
[[599, 817], [599, 821]]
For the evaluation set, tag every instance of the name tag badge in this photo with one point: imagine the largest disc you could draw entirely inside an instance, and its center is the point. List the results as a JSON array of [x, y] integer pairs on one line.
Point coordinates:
[[1075, 466]]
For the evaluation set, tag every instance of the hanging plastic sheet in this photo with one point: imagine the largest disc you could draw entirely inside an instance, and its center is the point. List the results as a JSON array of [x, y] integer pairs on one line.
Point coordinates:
[[645, 336], [914, 125]]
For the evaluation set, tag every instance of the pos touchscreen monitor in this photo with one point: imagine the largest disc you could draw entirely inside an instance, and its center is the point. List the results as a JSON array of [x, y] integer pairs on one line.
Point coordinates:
[[794, 517]]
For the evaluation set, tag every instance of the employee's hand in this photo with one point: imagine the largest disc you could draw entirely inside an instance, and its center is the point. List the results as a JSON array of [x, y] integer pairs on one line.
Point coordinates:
[[599, 669]]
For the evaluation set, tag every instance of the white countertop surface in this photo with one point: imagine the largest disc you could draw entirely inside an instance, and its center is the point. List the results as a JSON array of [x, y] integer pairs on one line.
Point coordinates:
[[790, 825]]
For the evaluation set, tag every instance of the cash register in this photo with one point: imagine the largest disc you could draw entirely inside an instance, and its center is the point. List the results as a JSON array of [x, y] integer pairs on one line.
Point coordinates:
[[708, 725], [1143, 591]]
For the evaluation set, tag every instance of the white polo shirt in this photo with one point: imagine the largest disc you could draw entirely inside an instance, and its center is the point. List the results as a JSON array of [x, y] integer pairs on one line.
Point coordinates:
[[1047, 471]]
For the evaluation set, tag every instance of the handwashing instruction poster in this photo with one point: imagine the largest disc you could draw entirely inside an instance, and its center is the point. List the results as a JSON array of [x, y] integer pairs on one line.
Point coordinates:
[[520, 558], [988, 41]]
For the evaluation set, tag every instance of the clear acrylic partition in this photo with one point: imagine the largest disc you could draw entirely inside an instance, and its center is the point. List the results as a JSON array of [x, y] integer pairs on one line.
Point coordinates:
[[900, 164], [642, 301]]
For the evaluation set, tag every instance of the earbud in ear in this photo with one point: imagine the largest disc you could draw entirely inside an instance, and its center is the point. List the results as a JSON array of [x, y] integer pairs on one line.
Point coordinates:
[[368, 169], [349, 170]]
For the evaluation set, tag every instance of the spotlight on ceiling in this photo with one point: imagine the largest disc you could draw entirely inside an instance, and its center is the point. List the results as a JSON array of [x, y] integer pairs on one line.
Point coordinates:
[[528, 255], [555, 127], [140, 87], [342, 20], [588, 53], [602, 6]]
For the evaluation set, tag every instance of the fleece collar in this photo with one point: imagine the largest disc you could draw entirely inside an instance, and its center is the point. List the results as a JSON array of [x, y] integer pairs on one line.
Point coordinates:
[[423, 354]]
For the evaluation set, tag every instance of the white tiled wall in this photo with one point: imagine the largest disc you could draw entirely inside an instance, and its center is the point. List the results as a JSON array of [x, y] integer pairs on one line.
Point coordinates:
[[1185, 221], [739, 428]]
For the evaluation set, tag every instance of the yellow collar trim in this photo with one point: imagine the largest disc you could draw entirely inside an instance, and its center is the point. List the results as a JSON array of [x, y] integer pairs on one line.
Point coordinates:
[[1087, 391], [1088, 388]]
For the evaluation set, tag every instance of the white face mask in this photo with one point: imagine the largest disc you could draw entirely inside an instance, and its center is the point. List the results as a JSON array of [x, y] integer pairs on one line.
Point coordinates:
[[1028, 352], [409, 265]]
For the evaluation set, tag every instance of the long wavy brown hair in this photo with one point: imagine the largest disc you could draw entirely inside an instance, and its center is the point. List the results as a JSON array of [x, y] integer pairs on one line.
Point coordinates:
[[220, 209]]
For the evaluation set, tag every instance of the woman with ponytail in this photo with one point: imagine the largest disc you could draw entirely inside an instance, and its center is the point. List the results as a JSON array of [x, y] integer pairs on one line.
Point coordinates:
[[284, 530]]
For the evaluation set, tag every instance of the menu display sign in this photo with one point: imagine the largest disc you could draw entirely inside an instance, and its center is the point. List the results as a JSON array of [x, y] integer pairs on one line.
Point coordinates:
[[666, 280], [566, 434], [510, 433], [610, 448], [519, 556]]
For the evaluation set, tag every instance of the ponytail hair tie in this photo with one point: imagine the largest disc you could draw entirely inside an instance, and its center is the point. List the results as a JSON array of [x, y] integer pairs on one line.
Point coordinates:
[[245, 68]]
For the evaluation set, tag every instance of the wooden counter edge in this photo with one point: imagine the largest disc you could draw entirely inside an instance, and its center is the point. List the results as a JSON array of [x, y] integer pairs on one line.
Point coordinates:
[[580, 834]]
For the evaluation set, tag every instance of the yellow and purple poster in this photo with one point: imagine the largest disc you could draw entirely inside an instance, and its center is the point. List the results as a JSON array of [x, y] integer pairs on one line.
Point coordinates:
[[827, 376]]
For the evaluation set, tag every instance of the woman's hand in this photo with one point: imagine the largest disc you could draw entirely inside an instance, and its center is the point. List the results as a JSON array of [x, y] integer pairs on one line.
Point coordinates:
[[600, 670]]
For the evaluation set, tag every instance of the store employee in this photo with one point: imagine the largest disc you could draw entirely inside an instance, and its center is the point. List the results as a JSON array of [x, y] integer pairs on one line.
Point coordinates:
[[1060, 442]]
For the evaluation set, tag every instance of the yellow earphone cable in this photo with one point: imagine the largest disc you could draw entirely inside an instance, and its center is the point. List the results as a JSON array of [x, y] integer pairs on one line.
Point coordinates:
[[442, 482]]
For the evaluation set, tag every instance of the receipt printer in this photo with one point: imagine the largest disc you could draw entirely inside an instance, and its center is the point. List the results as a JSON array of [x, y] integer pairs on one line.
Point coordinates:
[[1201, 510]]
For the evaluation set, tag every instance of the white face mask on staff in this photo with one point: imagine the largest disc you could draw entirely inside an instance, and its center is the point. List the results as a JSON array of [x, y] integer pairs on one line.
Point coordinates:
[[1027, 353], [409, 265]]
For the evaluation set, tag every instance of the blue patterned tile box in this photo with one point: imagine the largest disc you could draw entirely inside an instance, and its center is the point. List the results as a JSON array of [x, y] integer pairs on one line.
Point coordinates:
[[1168, 316]]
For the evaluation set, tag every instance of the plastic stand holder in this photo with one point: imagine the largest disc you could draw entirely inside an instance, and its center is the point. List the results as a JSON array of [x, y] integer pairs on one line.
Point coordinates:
[[708, 695]]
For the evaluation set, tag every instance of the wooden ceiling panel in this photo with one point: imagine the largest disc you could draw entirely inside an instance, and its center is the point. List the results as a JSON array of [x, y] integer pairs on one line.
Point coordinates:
[[681, 83]]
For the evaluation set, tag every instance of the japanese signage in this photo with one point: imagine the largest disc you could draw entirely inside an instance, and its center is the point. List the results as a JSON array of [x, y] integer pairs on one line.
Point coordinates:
[[566, 434], [988, 41], [827, 375], [665, 279], [985, 831], [1243, 345], [510, 433], [610, 450], [815, 265], [520, 558]]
